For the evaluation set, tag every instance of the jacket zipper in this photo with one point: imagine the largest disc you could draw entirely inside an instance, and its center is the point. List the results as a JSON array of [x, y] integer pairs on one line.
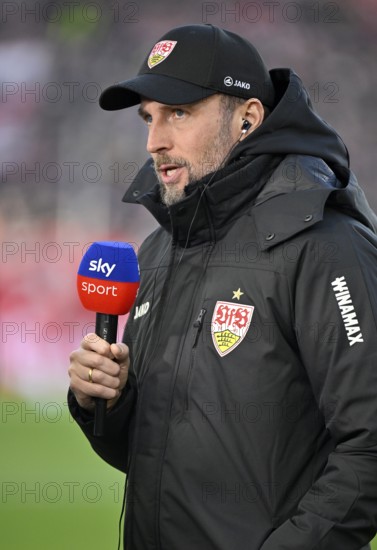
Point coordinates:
[[198, 325], [199, 322], [157, 328]]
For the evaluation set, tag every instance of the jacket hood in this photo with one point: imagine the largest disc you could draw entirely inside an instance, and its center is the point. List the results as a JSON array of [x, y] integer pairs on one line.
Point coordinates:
[[294, 127]]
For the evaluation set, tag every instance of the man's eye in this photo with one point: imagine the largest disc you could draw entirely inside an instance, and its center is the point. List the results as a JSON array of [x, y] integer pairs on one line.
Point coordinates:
[[148, 119], [179, 113]]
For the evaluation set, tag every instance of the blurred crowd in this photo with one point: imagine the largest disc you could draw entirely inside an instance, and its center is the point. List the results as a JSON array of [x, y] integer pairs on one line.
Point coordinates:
[[65, 163]]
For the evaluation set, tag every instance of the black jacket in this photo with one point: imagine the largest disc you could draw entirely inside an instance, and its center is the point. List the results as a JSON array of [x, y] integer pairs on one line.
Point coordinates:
[[249, 420]]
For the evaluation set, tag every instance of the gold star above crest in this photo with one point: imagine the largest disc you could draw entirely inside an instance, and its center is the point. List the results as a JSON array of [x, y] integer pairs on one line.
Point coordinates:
[[237, 294]]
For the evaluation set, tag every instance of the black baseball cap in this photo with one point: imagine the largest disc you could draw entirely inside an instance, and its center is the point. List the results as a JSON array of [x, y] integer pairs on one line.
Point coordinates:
[[193, 62]]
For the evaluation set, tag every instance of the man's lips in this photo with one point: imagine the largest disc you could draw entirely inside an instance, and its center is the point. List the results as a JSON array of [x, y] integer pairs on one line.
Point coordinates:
[[170, 173]]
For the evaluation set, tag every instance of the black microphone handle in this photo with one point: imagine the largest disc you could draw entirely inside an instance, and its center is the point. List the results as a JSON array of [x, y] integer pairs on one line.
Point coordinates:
[[106, 328]]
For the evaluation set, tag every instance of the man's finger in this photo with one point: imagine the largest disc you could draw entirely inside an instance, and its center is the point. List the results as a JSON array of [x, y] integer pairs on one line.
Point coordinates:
[[120, 352], [92, 342]]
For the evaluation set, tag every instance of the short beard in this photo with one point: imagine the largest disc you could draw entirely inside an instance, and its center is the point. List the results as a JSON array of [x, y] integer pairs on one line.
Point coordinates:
[[213, 157], [171, 195]]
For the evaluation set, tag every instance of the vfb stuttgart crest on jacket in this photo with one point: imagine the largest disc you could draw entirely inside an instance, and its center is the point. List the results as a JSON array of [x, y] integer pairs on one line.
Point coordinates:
[[160, 52], [230, 323]]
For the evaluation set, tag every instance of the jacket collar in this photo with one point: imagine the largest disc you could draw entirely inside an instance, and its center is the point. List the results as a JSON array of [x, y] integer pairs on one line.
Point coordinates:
[[210, 203], [144, 182], [288, 196]]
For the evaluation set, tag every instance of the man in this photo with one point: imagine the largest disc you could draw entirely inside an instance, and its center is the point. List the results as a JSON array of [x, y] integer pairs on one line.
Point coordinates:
[[242, 402]]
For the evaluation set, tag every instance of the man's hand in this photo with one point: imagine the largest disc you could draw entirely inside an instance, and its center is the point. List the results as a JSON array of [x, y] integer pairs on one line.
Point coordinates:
[[106, 365]]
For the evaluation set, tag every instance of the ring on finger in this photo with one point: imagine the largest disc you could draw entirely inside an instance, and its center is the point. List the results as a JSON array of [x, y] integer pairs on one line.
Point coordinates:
[[90, 375]]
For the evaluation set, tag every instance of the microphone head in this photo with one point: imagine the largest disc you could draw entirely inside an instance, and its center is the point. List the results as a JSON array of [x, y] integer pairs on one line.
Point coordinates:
[[108, 278]]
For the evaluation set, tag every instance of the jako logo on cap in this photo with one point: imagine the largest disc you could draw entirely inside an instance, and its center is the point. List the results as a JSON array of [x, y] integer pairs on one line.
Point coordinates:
[[228, 81], [160, 52]]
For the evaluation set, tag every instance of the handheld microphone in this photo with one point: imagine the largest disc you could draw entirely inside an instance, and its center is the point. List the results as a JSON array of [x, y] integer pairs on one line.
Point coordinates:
[[107, 283]]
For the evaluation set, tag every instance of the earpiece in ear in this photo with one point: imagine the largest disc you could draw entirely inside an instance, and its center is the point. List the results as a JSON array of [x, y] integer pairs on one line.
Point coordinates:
[[246, 125]]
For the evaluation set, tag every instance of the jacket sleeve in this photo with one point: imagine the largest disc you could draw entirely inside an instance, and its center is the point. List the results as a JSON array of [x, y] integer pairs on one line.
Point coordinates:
[[113, 447], [334, 303]]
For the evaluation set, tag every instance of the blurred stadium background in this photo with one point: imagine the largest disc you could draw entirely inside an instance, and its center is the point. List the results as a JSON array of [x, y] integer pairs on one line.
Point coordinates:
[[65, 165]]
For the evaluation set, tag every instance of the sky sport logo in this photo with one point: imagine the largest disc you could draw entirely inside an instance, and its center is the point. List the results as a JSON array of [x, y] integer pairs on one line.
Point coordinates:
[[101, 267], [94, 288], [98, 287]]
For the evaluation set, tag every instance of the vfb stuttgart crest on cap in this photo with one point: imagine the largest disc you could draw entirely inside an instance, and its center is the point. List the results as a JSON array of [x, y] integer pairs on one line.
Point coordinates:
[[230, 323], [160, 52]]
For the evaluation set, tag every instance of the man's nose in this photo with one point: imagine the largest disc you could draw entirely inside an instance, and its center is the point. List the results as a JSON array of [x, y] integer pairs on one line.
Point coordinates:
[[159, 138]]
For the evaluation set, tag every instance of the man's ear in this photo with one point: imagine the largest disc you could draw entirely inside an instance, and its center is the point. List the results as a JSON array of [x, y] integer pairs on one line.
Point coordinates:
[[252, 115]]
